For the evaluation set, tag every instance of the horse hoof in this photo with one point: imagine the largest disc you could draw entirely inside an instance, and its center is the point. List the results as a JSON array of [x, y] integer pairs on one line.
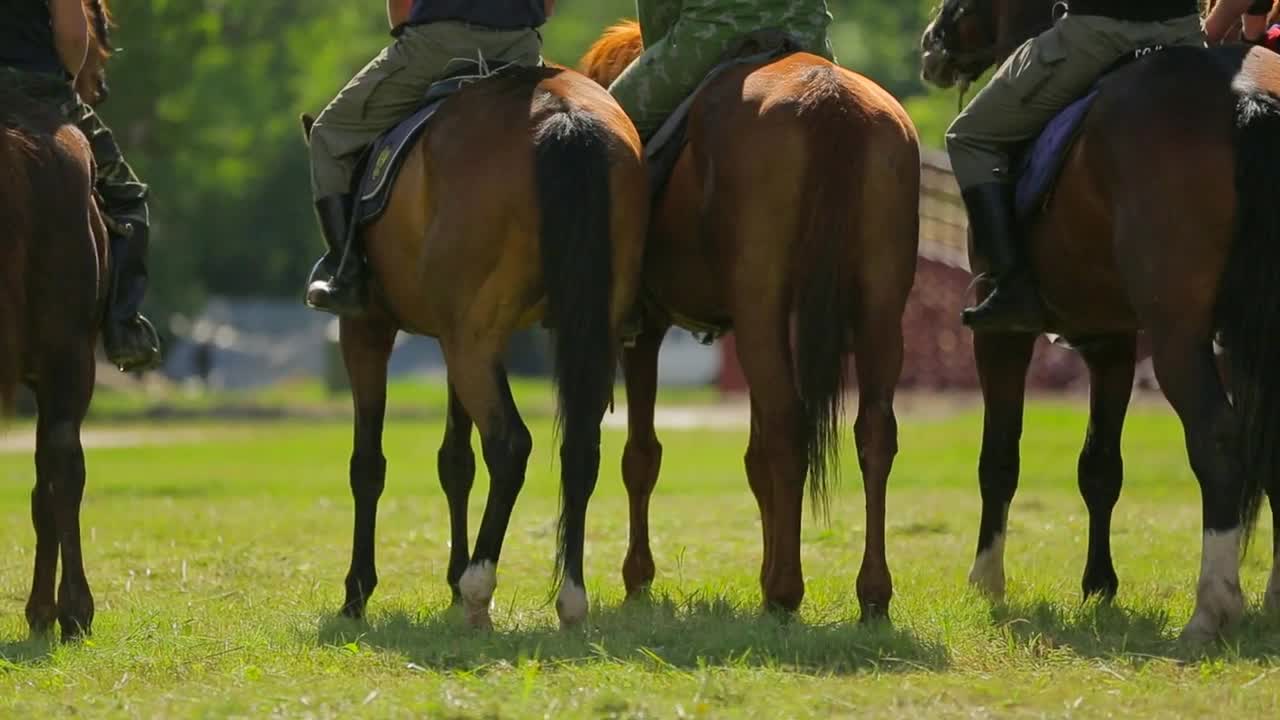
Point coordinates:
[[41, 620], [987, 574], [477, 586], [873, 613], [572, 605]]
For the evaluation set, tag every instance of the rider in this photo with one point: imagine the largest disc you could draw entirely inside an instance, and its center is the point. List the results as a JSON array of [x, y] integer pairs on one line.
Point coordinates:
[[43, 47], [686, 39], [434, 39], [1037, 81]]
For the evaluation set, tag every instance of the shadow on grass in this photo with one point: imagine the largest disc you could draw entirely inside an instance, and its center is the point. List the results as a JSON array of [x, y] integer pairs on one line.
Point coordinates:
[[661, 632], [1104, 630], [30, 651]]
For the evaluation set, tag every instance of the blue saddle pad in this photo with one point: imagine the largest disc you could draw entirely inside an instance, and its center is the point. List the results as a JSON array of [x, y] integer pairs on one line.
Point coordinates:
[[1043, 160], [385, 158]]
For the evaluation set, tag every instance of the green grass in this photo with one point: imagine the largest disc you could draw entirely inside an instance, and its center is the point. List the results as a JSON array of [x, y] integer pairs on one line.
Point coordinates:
[[217, 567]]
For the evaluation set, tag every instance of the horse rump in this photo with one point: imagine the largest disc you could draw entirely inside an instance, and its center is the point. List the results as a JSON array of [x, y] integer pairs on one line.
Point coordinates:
[[1248, 307]]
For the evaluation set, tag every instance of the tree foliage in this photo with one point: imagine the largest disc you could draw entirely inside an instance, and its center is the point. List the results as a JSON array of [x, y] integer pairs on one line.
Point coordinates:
[[207, 94]]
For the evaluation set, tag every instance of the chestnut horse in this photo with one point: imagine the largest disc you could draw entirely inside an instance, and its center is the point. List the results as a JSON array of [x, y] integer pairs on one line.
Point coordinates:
[[1162, 220], [53, 289], [526, 200], [796, 197]]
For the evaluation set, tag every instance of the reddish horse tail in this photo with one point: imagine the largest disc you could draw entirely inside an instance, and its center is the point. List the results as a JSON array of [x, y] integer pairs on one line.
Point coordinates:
[[573, 176], [14, 228], [1249, 301], [823, 294]]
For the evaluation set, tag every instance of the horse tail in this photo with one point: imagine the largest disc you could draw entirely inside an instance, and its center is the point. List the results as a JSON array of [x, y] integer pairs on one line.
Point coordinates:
[[572, 169], [1248, 307], [15, 227], [822, 298]]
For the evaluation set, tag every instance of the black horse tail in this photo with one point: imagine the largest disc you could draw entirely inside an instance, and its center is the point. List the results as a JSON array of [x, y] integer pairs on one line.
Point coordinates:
[[15, 232], [822, 293], [1249, 302], [572, 169]]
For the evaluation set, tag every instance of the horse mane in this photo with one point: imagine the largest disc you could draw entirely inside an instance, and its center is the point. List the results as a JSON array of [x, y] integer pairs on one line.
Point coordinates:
[[92, 84], [617, 48]]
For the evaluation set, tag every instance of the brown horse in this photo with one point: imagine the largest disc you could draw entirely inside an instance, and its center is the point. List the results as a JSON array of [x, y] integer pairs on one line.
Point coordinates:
[[526, 200], [1162, 220], [796, 198], [53, 287]]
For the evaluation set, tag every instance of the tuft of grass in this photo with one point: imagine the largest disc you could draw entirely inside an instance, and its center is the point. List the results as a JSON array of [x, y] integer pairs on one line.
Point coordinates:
[[217, 563]]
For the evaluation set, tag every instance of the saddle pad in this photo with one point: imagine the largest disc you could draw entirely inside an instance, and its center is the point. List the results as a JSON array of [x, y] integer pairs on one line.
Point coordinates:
[[1043, 160], [385, 158]]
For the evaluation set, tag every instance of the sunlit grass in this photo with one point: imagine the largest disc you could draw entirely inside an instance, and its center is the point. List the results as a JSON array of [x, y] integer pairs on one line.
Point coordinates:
[[217, 566]]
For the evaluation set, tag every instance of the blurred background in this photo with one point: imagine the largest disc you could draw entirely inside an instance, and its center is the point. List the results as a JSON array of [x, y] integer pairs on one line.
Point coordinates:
[[205, 102]]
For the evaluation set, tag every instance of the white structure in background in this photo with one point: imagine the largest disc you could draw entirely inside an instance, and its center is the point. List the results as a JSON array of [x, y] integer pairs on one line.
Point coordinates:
[[246, 343]]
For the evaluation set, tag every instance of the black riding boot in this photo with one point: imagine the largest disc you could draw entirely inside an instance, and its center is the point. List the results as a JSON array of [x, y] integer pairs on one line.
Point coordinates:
[[1014, 302], [130, 340], [337, 283]]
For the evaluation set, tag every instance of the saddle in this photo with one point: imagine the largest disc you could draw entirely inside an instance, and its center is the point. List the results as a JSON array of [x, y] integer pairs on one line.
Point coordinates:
[[381, 164], [1042, 161]]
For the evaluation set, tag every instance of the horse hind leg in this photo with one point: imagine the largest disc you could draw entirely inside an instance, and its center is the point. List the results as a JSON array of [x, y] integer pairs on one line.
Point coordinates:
[[42, 606], [642, 456], [456, 465], [1272, 601], [481, 385], [60, 483], [878, 352], [366, 349], [1101, 470], [1002, 369], [1189, 378]]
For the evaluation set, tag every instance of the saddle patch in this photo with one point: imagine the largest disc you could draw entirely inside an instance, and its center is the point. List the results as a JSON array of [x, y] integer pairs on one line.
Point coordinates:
[[1044, 158], [385, 158]]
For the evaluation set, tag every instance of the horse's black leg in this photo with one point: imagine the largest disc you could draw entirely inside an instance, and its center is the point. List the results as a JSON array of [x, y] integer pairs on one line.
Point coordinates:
[[42, 607], [580, 471], [456, 464], [1189, 378], [1101, 471], [366, 348], [642, 457], [1272, 602], [1002, 369], [60, 472], [482, 387]]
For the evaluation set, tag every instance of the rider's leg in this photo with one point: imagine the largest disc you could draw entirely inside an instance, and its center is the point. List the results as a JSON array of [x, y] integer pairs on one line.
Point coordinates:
[[387, 90], [130, 341], [1040, 78]]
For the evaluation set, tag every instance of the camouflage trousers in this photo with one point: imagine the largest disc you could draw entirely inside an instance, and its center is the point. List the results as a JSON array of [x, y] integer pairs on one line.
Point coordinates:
[[685, 39], [392, 87], [124, 196], [1040, 79]]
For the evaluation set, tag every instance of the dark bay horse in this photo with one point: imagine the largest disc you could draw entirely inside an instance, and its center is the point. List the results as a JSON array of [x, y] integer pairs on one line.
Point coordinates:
[[1163, 220], [795, 202], [526, 200], [53, 289]]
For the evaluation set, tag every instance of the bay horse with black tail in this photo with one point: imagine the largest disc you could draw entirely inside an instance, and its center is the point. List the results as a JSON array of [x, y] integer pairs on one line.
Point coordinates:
[[53, 290], [795, 200], [525, 200], [1163, 220]]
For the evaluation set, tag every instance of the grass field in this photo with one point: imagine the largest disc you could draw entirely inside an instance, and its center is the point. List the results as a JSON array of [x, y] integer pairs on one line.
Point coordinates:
[[217, 564]]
